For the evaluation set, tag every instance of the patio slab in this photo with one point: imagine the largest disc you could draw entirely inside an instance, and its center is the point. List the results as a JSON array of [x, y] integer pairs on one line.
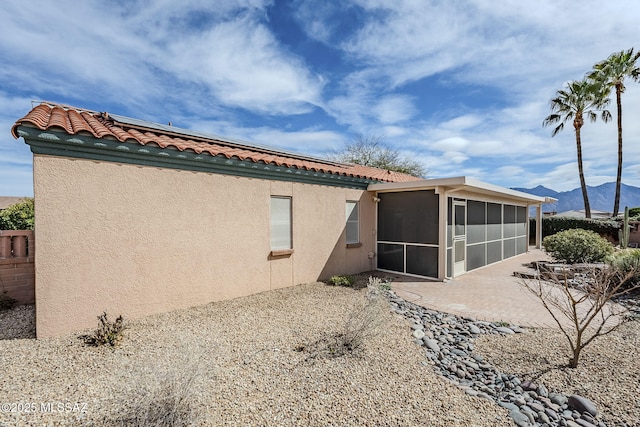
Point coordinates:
[[489, 293]]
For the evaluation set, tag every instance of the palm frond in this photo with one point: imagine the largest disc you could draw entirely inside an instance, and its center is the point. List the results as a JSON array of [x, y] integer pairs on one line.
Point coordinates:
[[557, 129]]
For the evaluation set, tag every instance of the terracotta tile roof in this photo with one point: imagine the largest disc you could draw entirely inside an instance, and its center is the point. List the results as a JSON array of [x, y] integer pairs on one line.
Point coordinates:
[[77, 121]]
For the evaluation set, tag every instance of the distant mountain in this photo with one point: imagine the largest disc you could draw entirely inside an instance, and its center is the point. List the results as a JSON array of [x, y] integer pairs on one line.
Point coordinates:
[[600, 197]]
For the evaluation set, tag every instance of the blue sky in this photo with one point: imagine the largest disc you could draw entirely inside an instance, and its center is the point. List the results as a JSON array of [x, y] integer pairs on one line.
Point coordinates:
[[461, 86]]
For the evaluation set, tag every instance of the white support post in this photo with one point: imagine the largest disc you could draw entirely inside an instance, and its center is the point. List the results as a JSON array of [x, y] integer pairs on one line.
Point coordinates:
[[539, 226]]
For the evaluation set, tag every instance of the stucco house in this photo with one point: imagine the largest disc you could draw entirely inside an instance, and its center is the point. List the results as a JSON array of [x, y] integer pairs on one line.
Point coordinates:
[[139, 218]]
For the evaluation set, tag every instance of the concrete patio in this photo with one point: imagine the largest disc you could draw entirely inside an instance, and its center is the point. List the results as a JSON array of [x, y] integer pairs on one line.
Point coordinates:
[[490, 293]]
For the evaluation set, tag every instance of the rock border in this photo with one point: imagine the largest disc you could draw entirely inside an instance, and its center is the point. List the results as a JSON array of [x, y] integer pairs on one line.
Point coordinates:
[[449, 343]]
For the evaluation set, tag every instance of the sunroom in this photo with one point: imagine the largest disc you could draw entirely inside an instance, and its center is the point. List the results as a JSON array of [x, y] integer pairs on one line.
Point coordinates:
[[441, 228]]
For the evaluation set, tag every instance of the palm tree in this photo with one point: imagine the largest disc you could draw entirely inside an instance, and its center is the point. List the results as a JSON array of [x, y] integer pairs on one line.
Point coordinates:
[[580, 98], [611, 74]]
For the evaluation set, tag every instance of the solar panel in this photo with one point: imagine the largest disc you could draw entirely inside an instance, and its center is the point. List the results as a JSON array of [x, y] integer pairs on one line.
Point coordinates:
[[231, 141]]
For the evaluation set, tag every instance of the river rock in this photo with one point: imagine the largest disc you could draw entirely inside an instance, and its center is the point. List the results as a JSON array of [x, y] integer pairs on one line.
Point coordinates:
[[432, 345], [519, 418], [474, 329], [582, 404], [505, 330], [418, 334]]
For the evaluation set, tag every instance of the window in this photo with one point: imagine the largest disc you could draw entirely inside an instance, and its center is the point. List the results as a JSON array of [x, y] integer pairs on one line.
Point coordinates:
[[280, 223], [353, 223]]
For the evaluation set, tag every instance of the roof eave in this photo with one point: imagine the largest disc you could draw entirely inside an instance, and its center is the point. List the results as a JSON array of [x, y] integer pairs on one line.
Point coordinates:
[[460, 183]]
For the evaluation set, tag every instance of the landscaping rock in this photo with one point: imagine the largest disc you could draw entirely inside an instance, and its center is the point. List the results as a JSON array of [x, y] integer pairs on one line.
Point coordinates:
[[519, 418], [474, 329], [448, 342], [558, 398], [582, 404], [432, 345]]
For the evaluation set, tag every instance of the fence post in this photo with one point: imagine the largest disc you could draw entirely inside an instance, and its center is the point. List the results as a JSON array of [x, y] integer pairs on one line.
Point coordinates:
[[19, 246], [5, 246]]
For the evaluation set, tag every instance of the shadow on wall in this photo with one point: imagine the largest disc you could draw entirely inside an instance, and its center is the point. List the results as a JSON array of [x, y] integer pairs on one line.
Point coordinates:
[[354, 258]]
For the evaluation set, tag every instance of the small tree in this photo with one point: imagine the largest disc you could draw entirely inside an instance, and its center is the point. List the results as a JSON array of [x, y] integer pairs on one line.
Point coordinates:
[[372, 151], [19, 216], [585, 300]]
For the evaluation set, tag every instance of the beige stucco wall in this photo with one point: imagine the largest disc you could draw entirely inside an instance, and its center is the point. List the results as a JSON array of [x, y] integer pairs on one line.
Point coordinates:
[[136, 240]]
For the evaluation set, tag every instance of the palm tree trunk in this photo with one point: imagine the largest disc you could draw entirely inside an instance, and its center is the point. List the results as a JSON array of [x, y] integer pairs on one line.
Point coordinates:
[[583, 184], [616, 203]]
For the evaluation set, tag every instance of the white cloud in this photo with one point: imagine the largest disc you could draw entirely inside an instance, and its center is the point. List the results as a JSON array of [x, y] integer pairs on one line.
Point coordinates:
[[159, 50], [392, 109], [241, 63]]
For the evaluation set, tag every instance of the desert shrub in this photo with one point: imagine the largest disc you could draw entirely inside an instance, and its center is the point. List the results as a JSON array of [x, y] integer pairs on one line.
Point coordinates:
[[588, 312], [19, 216], [626, 261], [634, 212], [169, 404], [378, 283], [576, 246], [108, 332], [6, 302], [345, 280], [362, 323]]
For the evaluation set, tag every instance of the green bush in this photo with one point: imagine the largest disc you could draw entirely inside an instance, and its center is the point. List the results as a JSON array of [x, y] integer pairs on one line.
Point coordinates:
[[626, 261], [634, 212], [576, 246], [555, 224], [18, 216], [347, 281]]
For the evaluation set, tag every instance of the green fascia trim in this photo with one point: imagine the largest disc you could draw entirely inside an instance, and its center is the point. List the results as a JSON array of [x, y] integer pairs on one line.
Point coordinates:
[[55, 143]]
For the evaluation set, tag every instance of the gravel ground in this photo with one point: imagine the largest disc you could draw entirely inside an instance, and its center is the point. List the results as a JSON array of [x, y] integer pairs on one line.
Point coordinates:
[[250, 361], [608, 373]]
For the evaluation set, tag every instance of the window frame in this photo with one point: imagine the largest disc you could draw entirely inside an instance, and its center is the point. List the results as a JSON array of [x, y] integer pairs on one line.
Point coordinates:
[[273, 227], [350, 222]]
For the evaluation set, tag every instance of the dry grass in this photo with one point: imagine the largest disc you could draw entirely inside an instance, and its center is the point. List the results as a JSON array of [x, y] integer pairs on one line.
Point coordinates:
[[168, 401]]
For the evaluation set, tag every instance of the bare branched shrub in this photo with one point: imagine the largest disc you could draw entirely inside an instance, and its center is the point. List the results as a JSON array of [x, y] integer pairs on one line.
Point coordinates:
[[585, 300], [364, 319], [362, 323], [170, 403]]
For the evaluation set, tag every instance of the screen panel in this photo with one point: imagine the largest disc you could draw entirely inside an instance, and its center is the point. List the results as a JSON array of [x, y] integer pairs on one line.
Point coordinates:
[[410, 217], [476, 256], [422, 260], [494, 252], [391, 257]]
